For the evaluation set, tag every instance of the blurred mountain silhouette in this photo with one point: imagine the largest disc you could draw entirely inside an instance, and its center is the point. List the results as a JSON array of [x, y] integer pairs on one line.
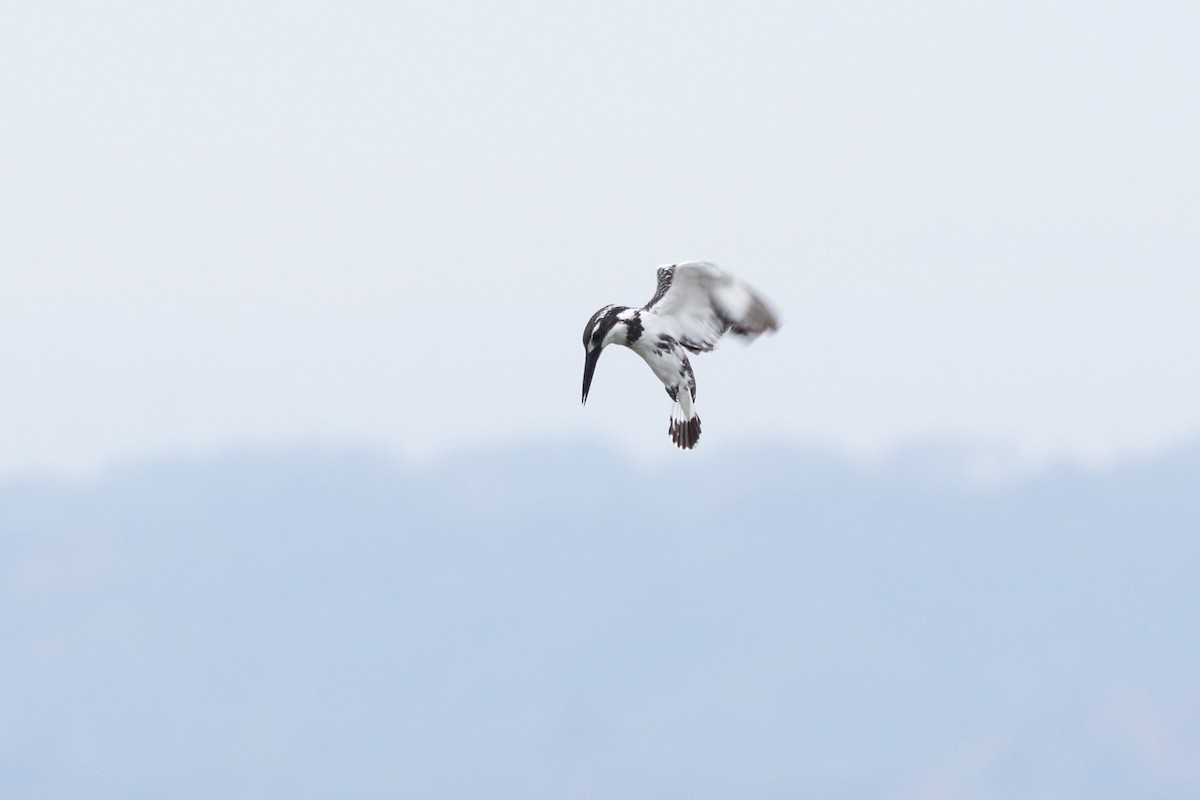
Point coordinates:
[[555, 622]]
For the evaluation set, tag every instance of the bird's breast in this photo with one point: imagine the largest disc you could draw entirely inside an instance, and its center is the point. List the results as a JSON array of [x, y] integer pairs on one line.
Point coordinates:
[[663, 356]]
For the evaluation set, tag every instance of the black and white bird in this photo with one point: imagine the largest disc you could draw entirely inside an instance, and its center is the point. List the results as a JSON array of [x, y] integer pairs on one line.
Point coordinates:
[[695, 304]]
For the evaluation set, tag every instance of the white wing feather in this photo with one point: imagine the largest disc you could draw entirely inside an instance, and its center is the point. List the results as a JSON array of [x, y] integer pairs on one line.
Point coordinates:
[[701, 303]]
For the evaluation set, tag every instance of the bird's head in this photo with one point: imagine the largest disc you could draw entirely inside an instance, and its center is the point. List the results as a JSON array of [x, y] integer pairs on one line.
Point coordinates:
[[607, 325]]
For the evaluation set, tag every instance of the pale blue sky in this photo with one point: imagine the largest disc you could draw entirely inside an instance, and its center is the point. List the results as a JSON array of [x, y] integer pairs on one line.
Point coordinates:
[[268, 222]]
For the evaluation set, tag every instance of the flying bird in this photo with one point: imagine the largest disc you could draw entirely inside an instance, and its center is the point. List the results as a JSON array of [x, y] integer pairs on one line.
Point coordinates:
[[695, 304]]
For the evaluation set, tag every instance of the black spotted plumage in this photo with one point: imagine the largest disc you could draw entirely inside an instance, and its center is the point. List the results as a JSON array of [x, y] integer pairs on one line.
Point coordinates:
[[665, 276], [633, 330], [689, 377]]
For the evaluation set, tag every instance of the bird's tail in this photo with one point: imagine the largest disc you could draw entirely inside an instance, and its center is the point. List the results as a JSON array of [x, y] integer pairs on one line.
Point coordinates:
[[685, 425]]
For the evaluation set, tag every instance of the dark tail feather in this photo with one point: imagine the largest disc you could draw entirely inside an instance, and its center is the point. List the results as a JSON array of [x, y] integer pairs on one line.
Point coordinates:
[[685, 432]]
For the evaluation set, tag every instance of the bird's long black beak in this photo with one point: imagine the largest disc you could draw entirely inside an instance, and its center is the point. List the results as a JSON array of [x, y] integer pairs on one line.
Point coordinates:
[[589, 367]]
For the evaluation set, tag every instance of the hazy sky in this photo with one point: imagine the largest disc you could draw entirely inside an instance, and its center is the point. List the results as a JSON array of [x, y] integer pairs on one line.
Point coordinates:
[[359, 222]]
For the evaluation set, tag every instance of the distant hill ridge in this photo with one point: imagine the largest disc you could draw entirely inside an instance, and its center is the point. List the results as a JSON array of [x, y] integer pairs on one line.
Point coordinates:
[[556, 622]]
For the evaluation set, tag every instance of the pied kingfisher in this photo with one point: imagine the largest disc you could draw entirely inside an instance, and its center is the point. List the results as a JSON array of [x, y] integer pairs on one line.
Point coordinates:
[[692, 308]]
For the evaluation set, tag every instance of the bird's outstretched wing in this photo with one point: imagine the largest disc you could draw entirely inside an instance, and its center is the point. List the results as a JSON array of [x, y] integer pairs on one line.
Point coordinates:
[[697, 303]]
